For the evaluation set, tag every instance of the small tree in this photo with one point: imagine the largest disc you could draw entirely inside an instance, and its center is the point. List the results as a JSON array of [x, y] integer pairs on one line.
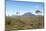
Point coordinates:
[[17, 13], [38, 12]]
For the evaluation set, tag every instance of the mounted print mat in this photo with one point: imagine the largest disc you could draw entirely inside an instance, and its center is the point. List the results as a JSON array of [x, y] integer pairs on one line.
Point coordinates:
[[22, 15]]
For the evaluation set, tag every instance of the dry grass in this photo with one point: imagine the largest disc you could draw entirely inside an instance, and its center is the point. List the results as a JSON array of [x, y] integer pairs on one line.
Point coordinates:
[[24, 23]]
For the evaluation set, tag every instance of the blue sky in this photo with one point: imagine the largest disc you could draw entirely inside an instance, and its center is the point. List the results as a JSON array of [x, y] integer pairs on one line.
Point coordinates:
[[14, 6]]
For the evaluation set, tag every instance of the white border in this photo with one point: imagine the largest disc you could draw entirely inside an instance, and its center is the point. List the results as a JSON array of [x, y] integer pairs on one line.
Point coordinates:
[[2, 17], [2, 20], [45, 14]]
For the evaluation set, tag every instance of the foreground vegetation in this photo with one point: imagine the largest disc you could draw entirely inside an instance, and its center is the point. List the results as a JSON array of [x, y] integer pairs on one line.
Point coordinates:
[[36, 22]]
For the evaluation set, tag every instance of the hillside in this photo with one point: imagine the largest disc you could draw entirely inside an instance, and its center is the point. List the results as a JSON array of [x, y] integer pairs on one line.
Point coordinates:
[[24, 22]]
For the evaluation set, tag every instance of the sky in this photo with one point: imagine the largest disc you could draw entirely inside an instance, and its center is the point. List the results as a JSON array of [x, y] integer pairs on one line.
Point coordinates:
[[13, 6]]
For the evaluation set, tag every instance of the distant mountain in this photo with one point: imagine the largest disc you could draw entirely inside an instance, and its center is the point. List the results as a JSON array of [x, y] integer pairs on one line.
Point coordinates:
[[28, 14], [25, 15]]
